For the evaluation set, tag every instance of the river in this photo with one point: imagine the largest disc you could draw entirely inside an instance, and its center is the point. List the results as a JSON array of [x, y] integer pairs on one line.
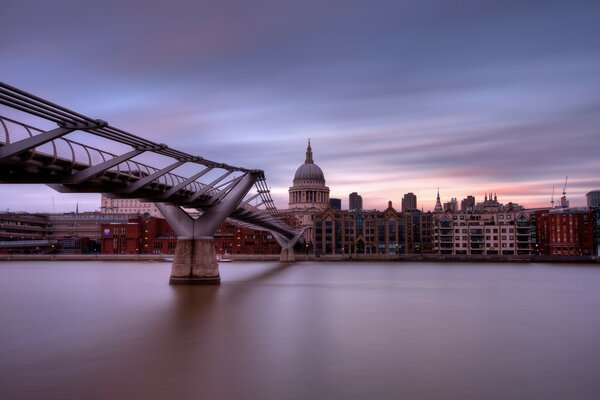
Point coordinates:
[[117, 330]]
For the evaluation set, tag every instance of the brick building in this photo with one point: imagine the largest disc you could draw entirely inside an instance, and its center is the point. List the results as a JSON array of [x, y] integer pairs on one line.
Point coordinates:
[[371, 232], [231, 239], [565, 231], [138, 236]]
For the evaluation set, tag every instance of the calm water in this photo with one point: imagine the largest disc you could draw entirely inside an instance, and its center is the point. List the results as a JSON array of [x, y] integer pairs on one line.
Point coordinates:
[[107, 330]]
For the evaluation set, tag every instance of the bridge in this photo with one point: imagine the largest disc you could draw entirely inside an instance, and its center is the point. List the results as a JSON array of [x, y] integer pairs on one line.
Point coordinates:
[[194, 194]]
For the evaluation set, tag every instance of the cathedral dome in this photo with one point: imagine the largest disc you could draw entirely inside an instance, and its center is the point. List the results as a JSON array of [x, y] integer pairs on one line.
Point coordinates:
[[309, 171]]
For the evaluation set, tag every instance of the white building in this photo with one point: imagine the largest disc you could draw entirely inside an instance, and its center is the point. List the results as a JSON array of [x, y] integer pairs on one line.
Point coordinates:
[[128, 206], [506, 233]]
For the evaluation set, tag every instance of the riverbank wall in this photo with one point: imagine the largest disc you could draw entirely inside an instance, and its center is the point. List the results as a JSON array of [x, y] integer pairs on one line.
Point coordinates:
[[303, 257]]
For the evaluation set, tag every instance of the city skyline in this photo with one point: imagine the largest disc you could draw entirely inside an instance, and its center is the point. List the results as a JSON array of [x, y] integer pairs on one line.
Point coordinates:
[[400, 98]]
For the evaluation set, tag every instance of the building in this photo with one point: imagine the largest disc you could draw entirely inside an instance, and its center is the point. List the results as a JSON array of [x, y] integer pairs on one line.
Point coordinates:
[[596, 222], [128, 206], [593, 199], [452, 205], [388, 232], [409, 202], [505, 233], [422, 236], [231, 239], [467, 204], [308, 195], [78, 233], [566, 231], [335, 204], [438, 204], [355, 201], [491, 204], [25, 234], [138, 235], [362, 232]]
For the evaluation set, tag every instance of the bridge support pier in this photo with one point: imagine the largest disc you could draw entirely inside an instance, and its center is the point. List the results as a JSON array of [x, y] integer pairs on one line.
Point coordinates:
[[287, 246], [195, 263], [287, 255], [195, 260]]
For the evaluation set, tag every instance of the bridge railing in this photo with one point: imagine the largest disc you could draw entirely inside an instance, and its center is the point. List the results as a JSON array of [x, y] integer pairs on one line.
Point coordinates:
[[62, 151]]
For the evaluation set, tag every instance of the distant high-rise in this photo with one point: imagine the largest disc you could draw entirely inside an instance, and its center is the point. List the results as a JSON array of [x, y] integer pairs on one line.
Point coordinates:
[[452, 205], [593, 198], [467, 204], [409, 202], [355, 201], [335, 204]]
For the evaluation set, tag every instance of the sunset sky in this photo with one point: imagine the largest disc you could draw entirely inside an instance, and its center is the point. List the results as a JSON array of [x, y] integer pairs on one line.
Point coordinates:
[[399, 96]]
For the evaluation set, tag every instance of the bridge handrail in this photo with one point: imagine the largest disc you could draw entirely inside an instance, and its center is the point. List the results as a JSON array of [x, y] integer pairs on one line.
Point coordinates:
[[31, 104], [66, 118], [138, 167]]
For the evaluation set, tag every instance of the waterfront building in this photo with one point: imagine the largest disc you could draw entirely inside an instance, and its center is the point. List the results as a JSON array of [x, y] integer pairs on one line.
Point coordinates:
[[231, 239], [78, 233], [593, 199], [138, 235], [362, 232], [596, 228], [505, 233], [335, 204], [422, 226], [409, 202], [566, 231], [128, 206], [68, 233], [25, 233], [151, 235], [355, 201], [388, 232]]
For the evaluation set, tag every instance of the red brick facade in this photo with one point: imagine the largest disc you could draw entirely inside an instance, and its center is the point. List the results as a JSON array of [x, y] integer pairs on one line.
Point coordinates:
[[155, 236], [565, 232]]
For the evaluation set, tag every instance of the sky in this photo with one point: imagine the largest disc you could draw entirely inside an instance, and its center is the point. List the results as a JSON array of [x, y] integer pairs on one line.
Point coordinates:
[[396, 96]]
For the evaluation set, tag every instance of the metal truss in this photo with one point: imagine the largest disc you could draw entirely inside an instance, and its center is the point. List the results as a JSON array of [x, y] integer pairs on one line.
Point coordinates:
[[31, 155]]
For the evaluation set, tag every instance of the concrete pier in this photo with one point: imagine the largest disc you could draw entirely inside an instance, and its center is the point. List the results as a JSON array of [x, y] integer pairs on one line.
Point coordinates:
[[195, 263], [287, 255]]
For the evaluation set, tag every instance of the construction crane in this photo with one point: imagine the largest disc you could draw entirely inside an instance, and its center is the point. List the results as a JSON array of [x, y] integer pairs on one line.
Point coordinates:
[[564, 203]]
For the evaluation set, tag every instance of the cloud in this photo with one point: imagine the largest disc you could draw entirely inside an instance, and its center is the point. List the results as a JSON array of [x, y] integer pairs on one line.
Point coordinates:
[[397, 97]]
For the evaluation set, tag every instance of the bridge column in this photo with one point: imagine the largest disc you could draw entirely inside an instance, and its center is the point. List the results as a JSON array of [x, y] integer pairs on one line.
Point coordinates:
[[195, 260], [287, 246]]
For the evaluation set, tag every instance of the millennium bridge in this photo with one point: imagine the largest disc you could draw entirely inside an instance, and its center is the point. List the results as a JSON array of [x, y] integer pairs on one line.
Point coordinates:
[[70, 154]]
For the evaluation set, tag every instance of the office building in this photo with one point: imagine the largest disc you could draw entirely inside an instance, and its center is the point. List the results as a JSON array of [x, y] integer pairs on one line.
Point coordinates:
[[467, 204], [593, 199], [355, 201], [335, 204], [409, 202]]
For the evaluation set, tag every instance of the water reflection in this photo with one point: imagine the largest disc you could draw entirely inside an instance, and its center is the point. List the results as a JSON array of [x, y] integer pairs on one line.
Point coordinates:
[[309, 330]]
